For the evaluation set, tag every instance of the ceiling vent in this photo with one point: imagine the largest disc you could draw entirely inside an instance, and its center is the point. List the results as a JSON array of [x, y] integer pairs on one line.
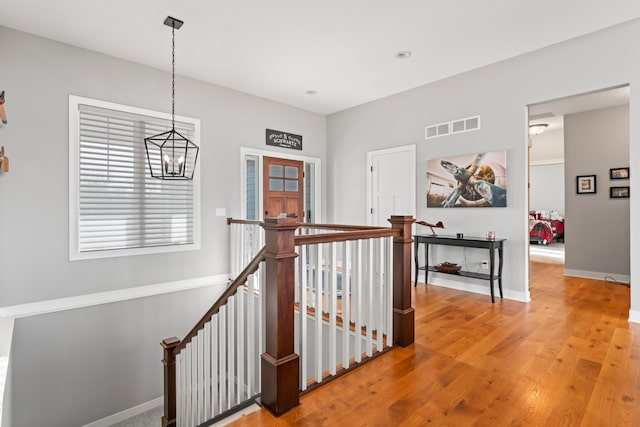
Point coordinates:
[[454, 126]]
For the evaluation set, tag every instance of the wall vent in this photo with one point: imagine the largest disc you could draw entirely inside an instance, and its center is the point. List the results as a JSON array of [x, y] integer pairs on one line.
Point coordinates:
[[455, 126]]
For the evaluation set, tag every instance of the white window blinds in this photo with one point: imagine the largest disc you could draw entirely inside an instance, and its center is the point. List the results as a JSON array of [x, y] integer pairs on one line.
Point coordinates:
[[119, 205]]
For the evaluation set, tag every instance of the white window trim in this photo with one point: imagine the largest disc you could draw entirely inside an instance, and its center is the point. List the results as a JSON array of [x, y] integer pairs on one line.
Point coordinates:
[[74, 182], [244, 152]]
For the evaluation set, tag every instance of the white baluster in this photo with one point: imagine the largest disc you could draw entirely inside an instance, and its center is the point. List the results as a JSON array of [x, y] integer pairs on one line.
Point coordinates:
[[224, 386], [303, 292], [179, 389], [333, 311], [231, 348], [357, 300], [380, 291], [207, 370], [346, 254], [251, 334], [370, 308], [318, 318], [389, 284], [215, 365]]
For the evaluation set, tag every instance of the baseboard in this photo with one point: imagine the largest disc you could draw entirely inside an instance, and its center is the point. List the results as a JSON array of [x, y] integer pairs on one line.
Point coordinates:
[[480, 289], [634, 316], [127, 413], [81, 301], [623, 278]]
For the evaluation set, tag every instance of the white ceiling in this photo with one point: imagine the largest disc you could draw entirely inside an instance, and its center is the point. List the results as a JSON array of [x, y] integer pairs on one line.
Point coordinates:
[[343, 49]]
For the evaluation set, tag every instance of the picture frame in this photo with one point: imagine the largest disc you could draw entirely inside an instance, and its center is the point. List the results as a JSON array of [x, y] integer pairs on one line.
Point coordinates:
[[619, 192], [465, 181], [586, 184], [619, 173]]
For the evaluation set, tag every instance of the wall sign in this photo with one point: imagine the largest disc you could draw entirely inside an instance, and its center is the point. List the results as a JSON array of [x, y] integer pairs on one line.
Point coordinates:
[[284, 139]]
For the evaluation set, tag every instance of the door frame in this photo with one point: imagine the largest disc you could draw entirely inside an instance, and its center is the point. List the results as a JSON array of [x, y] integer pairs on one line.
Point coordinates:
[[370, 155], [246, 151]]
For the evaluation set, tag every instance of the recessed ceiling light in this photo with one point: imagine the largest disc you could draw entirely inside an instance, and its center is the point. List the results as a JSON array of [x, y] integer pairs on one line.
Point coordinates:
[[403, 54], [311, 92]]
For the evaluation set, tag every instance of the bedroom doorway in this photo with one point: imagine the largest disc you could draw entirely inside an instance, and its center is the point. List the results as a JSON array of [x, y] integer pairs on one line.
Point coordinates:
[[582, 137]]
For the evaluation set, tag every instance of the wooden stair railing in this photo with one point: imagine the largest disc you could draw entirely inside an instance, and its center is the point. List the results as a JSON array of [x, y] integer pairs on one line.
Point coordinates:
[[280, 371], [173, 346]]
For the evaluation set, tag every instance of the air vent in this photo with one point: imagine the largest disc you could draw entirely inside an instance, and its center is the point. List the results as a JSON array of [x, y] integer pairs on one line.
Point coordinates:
[[454, 126]]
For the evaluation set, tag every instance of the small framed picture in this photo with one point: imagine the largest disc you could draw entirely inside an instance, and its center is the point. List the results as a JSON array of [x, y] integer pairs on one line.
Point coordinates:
[[586, 184], [619, 173], [619, 192]]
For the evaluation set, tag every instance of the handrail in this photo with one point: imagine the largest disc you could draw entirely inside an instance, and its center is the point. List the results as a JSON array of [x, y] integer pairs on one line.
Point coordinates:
[[347, 235], [242, 221], [337, 226], [345, 227], [231, 289]]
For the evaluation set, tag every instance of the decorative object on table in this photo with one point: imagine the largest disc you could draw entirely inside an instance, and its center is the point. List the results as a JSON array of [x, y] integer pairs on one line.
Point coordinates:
[[448, 267], [586, 184], [619, 192], [619, 173], [171, 156], [3, 114], [4, 161], [475, 180], [278, 138], [460, 235], [438, 224], [491, 235]]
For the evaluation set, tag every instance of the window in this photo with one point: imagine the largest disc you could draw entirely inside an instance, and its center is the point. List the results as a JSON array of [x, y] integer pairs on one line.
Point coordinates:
[[116, 208]]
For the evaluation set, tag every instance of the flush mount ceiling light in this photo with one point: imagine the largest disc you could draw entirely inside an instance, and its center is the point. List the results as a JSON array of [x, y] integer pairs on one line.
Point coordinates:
[[171, 156], [537, 129]]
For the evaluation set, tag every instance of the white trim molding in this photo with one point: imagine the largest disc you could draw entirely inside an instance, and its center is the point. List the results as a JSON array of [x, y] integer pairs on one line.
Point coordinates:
[[81, 301], [634, 316], [127, 413], [482, 289], [622, 278]]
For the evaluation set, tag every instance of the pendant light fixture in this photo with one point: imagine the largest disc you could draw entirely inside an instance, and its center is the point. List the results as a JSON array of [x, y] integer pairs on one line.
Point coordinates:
[[171, 156]]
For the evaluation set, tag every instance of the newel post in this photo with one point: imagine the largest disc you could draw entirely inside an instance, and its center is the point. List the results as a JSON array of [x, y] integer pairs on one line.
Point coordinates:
[[169, 363], [280, 373], [403, 313]]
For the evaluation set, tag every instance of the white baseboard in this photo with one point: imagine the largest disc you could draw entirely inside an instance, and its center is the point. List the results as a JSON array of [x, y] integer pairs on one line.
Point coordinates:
[[624, 278], [80, 301], [127, 413], [634, 316], [476, 288]]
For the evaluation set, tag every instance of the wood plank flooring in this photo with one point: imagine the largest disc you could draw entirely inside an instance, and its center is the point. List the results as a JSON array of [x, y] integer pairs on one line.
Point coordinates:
[[568, 358]]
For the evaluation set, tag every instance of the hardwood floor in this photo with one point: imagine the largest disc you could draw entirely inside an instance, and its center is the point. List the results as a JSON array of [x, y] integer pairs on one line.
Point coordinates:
[[568, 358]]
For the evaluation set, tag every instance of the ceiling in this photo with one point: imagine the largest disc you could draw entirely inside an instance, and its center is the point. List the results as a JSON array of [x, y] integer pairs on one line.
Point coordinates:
[[342, 50]]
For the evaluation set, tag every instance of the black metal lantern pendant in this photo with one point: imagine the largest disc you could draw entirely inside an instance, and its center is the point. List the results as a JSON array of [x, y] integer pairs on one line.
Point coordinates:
[[171, 156]]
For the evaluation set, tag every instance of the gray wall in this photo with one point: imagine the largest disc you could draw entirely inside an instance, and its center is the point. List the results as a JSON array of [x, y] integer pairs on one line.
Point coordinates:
[[500, 94], [547, 188], [38, 76], [96, 361], [597, 227]]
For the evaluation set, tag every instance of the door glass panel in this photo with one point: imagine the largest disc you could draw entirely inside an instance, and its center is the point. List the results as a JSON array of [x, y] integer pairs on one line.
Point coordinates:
[[290, 185], [275, 171], [291, 172], [276, 184]]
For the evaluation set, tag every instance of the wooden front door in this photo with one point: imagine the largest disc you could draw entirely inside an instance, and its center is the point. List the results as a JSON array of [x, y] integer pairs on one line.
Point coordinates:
[[283, 187]]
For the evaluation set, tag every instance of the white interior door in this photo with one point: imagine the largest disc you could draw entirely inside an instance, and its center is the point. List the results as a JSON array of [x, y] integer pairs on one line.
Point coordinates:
[[391, 184]]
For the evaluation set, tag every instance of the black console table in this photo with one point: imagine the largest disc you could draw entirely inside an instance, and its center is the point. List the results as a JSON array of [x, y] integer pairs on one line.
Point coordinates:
[[466, 242]]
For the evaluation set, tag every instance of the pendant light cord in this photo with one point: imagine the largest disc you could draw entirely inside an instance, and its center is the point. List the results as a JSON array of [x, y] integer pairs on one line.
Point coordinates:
[[173, 76]]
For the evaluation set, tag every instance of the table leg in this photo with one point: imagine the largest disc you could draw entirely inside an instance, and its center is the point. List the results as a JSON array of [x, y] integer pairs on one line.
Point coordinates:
[[426, 263], [415, 260], [492, 256], [500, 268]]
